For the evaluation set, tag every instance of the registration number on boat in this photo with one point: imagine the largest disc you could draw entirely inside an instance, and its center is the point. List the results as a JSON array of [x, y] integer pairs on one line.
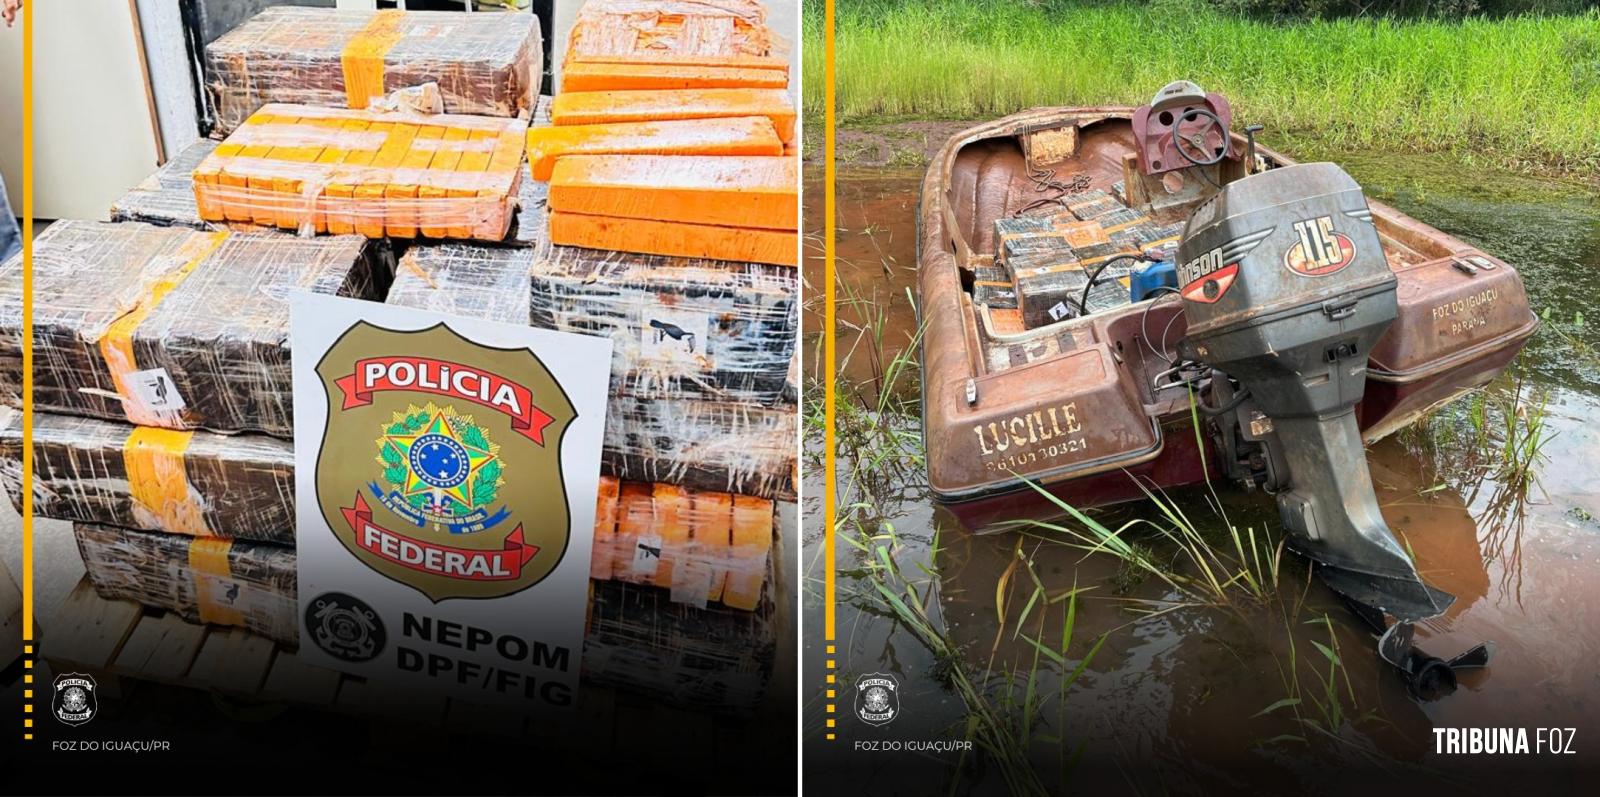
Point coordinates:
[[1023, 459]]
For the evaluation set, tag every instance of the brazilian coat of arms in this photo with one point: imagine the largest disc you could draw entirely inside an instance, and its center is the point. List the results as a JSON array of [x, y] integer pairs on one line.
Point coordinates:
[[428, 500]]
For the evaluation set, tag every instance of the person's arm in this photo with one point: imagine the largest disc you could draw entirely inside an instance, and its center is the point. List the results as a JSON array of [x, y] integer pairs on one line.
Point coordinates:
[[9, 9]]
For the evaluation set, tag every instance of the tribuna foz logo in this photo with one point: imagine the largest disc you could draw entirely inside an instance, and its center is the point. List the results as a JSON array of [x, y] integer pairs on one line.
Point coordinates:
[[1504, 741], [416, 470]]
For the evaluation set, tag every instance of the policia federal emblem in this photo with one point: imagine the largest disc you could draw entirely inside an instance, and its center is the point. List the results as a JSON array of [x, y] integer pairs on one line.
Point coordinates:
[[426, 431], [73, 701]]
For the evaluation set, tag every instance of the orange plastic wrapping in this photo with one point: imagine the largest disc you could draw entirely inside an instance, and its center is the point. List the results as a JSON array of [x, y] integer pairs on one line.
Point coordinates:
[[614, 77], [760, 192], [605, 107], [605, 529], [741, 135], [331, 170], [752, 540], [679, 239], [705, 547]]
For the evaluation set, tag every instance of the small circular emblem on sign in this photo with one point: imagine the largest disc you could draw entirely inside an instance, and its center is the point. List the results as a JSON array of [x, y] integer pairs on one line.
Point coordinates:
[[345, 627]]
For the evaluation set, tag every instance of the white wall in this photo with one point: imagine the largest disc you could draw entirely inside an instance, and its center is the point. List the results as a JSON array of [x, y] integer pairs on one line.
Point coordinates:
[[92, 135]]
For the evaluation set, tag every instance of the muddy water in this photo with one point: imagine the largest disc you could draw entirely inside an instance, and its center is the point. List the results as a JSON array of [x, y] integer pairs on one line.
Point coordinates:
[[1175, 702]]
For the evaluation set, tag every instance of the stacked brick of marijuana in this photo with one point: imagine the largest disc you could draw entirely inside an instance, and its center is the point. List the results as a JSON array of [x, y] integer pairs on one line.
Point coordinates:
[[167, 198], [143, 335], [331, 170], [483, 65], [169, 327], [1043, 260], [669, 134]]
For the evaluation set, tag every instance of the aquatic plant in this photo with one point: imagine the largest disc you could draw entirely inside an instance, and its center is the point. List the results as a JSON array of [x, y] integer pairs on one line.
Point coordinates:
[[877, 423], [1324, 710]]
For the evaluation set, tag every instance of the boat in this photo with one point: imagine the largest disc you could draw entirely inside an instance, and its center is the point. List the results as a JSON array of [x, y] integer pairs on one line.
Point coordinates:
[[1122, 299]]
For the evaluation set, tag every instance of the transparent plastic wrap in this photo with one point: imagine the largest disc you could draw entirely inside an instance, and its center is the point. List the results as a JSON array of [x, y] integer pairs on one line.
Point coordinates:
[[195, 483], [702, 547], [166, 199], [668, 419], [717, 660], [329, 170], [203, 579], [484, 64], [169, 327], [709, 445], [675, 32], [679, 327], [713, 545]]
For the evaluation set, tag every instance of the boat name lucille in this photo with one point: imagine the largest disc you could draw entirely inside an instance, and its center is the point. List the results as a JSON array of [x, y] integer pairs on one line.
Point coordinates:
[[1031, 428]]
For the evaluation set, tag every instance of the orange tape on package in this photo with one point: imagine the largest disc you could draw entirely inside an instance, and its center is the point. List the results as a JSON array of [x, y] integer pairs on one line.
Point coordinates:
[[339, 170]]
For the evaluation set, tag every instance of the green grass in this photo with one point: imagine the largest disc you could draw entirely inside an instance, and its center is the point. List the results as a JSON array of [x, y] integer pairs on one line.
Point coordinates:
[[1520, 89]]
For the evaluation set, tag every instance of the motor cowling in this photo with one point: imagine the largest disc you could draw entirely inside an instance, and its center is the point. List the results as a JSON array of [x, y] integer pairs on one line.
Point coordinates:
[[1286, 288]]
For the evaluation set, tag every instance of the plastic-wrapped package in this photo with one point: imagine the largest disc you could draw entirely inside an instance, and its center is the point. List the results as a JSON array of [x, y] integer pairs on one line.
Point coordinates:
[[711, 445], [716, 659], [169, 327], [204, 579], [724, 33], [703, 547], [742, 208], [484, 64], [194, 483], [737, 135], [332, 170], [679, 327], [645, 105], [201, 484], [166, 197], [674, 415]]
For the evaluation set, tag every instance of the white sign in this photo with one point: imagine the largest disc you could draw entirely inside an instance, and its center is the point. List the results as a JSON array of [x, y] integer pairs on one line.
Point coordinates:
[[446, 477]]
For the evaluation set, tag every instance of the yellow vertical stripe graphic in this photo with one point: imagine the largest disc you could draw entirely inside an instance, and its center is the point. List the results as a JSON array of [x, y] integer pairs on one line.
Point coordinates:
[[829, 224], [27, 360], [362, 58], [117, 344], [208, 566], [158, 481]]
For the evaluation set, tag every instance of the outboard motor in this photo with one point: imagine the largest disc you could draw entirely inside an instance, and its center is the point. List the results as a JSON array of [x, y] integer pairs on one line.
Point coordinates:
[[1286, 288]]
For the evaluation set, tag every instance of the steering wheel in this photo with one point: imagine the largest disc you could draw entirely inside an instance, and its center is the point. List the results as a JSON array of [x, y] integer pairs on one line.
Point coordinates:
[[1214, 123]]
